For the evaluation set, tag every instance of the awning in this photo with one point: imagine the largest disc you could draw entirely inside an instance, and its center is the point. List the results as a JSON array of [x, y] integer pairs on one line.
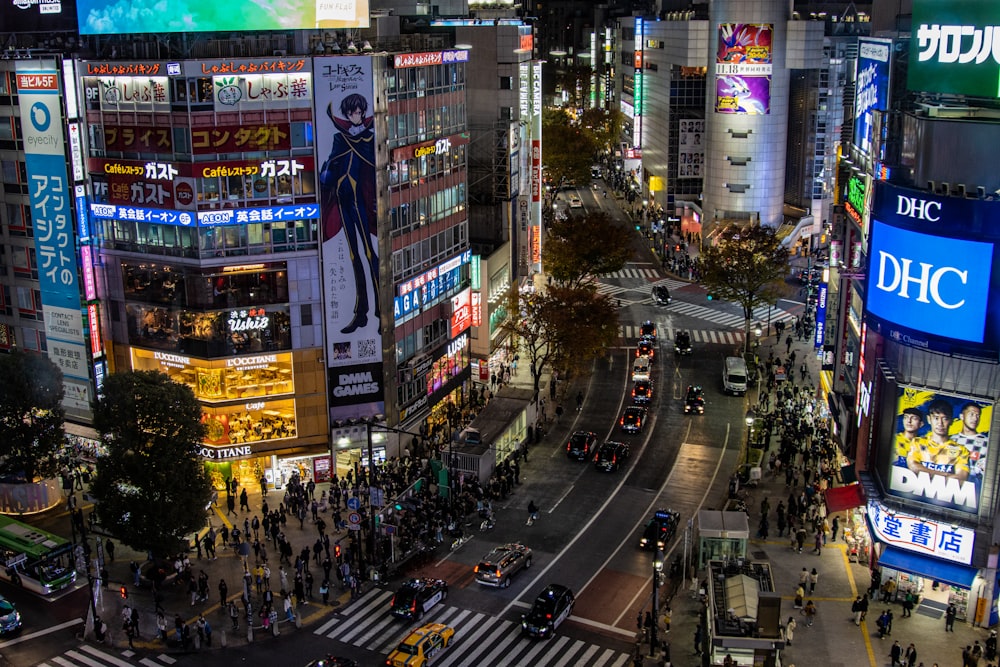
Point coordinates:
[[840, 498], [925, 566]]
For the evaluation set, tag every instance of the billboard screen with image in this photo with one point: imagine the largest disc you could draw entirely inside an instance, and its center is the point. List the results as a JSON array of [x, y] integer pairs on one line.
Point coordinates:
[[871, 88], [953, 48], [939, 452], [933, 271]]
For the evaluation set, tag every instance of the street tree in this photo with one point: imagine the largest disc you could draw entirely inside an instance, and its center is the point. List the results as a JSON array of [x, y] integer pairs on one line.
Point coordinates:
[[151, 485], [562, 327], [567, 149], [580, 247], [604, 126], [31, 416], [746, 265]]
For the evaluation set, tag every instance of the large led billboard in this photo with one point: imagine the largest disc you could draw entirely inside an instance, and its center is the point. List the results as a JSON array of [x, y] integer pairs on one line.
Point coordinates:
[[743, 68], [954, 47], [345, 141], [118, 17], [38, 15], [871, 88], [940, 449], [932, 278]]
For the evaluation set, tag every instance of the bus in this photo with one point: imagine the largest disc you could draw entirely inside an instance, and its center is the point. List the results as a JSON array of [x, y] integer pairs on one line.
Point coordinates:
[[34, 559]]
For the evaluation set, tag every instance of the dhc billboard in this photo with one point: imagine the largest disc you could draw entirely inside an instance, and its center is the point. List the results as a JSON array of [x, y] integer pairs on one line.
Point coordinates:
[[931, 271]]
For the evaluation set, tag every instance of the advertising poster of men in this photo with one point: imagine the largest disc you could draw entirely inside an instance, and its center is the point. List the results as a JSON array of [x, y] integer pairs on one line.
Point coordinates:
[[940, 449], [345, 135], [691, 148]]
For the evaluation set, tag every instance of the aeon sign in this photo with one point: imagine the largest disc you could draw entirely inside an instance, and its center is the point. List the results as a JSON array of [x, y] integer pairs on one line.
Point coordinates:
[[933, 284]]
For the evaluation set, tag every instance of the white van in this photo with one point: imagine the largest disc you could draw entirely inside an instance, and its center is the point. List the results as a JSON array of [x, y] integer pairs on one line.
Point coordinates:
[[734, 376], [640, 368]]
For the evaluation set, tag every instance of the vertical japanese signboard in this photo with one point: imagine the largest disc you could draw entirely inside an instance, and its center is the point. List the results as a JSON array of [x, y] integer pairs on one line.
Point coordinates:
[[50, 194], [871, 88], [345, 142]]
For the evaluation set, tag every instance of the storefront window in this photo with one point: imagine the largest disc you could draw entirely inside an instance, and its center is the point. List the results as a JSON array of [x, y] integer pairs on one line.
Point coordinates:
[[445, 368], [238, 379], [232, 286], [253, 421], [220, 333]]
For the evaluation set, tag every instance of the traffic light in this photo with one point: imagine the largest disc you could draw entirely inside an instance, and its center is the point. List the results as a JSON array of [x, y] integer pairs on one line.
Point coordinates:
[[336, 553], [709, 296], [124, 593]]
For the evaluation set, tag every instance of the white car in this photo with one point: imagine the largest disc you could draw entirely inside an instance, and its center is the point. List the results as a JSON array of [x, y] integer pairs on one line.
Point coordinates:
[[575, 202]]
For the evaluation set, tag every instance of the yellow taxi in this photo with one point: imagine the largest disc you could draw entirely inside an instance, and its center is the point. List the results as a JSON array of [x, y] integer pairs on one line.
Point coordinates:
[[421, 646]]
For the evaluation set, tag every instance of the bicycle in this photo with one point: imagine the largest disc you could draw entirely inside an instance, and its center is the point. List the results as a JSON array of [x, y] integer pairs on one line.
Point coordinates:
[[459, 541]]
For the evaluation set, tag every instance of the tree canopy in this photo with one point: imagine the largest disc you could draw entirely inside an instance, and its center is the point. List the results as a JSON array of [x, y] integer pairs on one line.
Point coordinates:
[[151, 486], [31, 416], [745, 265], [579, 247], [564, 327], [566, 148], [604, 126]]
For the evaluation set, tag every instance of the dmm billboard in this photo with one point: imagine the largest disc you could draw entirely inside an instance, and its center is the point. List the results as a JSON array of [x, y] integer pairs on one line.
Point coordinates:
[[871, 88], [955, 47], [931, 276], [345, 133], [939, 452]]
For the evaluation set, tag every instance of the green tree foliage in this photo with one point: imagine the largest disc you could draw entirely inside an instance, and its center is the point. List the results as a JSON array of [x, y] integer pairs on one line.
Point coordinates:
[[563, 327], [604, 127], [31, 416], [589, 245], [151, 486], [566, 148], [746, 265]]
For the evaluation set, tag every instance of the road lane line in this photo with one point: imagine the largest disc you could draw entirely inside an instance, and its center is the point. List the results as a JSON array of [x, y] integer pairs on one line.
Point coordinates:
[[40, 633]]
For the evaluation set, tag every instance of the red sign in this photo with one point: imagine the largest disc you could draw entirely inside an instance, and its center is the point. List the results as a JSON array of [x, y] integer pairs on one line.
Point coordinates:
[[241, 138], [536, 170], [461, 312], [132, 138], [477, 308], [430, 58], [252, 66], [37, 82], [536, 244], [95, 331], [141, 69]]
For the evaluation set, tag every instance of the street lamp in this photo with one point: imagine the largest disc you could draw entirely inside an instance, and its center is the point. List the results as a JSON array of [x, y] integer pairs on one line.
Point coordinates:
[[750, 418], [657, 569]]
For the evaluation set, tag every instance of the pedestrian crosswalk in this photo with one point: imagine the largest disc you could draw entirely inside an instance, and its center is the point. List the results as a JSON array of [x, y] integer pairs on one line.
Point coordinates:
[[644, 274], [86, 655], [480, 639], [718, 336]]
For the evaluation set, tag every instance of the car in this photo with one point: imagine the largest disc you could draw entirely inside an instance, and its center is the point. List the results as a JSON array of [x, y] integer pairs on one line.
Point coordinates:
[[333, 661], [552, 606], [498, 566], [646, 348], [648, 330], [611, 455], [416, 596], [10, 617], [694, 400], [642, 392], [581, 445], [421, 646], [661, 295], [575, 202], [682, 342], [633, 419], [660, 529]]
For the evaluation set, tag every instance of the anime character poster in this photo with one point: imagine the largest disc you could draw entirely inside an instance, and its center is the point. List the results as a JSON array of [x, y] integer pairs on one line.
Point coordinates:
[[743, 68], [745, 44], [345, 144], [749, 95], [940, 449]]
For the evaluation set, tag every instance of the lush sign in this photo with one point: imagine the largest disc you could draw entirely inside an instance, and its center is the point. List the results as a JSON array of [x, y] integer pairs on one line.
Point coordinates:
[[955, 48]]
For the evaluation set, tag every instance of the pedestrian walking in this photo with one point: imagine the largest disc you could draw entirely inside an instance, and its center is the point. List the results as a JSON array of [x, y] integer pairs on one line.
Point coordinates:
[[109, 549], [835, 528], [579, 401], [244, 501], [896, 654], [223, 592], [790, 630], [788, 344], [234, 615], [856, 610], [813, 578], [911, 655], [949, 618], [324, 591], [697, 639], [908, 603], [129, 632], [810, 612]]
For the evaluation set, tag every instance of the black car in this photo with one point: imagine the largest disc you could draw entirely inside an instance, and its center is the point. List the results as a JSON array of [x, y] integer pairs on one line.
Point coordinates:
[[648, 330], [633, 419], [416, 596], [659, 530], [694, 400], [611, 456], [661, 295], [682, 342], [552, 606], [10, 617], [642, 392], [646, 348], [581, 445]]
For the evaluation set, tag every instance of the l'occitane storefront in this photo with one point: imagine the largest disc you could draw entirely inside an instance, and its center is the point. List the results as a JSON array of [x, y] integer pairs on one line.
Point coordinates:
[[258, 410]]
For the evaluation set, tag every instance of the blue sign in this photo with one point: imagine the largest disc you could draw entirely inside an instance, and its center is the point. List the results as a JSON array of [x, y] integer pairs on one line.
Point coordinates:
[[239, 216], [931, 271], [871, 87], [820, 335]]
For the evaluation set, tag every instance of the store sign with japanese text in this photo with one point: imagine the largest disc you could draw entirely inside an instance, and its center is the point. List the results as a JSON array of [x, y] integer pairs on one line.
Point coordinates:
[[239, 216], [131, 93], [429, 286], [250, 137], [138, 139], [461, 312], [404, 60], [250, 92], [442, 146], [871, 88], [923, 536], [955, 47]]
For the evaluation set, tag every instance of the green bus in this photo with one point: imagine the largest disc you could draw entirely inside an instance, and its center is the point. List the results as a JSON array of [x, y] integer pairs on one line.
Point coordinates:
[[34, 559]]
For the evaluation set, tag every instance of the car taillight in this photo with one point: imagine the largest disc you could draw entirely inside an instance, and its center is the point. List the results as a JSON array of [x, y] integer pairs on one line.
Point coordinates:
[[548, 617], [569, 446], [413, 606], [498, 573], [475, 569], [393, 603]]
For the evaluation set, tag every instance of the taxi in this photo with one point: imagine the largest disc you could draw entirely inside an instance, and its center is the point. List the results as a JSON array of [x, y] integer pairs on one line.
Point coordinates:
[[421, 646]]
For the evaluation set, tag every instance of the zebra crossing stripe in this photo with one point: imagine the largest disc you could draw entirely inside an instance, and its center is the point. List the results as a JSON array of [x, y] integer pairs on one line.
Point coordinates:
[[493, 657], [467, 658], [471, 639]]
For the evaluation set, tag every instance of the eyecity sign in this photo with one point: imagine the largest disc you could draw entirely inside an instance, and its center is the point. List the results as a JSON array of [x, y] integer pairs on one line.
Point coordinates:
[[931, 271], [955, 48]]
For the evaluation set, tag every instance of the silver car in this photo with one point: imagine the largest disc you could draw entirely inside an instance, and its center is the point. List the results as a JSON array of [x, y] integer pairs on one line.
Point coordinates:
[[498, 566]]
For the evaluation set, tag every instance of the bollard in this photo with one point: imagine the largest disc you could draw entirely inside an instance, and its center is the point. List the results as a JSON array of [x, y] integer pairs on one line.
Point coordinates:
[[249, 634], [274, 629], [298, 620], [222, 638], [197, 642]]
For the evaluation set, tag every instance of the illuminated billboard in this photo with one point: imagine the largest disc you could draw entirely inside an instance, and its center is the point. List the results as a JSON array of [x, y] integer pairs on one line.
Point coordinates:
[[871, 88], [954, 48], [743, 68], [940, 449], [38, 15], [931, 271], [345, 139], [118, 17]]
